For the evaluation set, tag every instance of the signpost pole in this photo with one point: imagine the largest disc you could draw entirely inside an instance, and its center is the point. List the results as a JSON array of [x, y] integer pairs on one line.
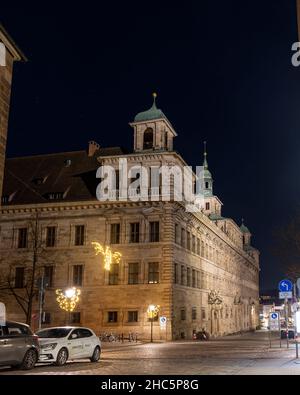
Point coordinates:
[[286, 321]]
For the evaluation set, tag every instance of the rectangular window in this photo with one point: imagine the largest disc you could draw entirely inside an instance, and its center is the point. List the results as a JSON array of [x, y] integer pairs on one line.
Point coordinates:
[[175, 273], [203, 313], [194, 278], [154, 232], [194, 313], [183, 238], [188, 240], [114, 274], [133, 316], [115, 233], [198, 246], [133, 273], [134, 232], [75, 318], [188, 277], [207, 206], [19, 277], [22, 238], [46, 318], [79, 235], [177, 234], [77, 275], [50, 236], [48, 276], [182, 315], [112, 316], [194, 244], [153, 273], [182, 275], [198, 280]]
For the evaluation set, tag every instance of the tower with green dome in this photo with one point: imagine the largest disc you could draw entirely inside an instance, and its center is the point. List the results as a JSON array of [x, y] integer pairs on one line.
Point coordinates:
[[152, 130]]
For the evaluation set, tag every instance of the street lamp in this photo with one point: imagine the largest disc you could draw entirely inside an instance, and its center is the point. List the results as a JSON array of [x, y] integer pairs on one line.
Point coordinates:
[[152, 313]]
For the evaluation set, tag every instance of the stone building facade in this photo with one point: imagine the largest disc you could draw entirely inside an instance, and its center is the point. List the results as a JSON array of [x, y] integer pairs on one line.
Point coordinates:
[[198, 267], [9, 53]]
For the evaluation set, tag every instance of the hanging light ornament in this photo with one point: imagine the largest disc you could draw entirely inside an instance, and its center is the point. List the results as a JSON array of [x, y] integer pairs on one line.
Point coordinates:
[[109, 256], [68, 299]]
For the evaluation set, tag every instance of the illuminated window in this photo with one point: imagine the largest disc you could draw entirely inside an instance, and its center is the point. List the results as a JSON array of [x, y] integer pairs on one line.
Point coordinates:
[[153, 273]]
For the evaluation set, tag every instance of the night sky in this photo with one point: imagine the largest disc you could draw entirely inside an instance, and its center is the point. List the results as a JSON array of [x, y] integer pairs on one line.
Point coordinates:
[[222, 71]]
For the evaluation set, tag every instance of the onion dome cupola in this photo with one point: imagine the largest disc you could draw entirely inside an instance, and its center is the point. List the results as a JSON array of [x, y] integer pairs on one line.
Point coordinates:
[[152, 130]]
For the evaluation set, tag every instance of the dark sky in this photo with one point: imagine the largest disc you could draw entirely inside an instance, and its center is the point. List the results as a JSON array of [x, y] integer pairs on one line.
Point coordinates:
[[223, 73]]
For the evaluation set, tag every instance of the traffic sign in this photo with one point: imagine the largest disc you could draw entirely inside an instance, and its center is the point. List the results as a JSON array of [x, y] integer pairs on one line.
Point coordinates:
[[285, 286], [274, 322], [285, 295], [163, 321]]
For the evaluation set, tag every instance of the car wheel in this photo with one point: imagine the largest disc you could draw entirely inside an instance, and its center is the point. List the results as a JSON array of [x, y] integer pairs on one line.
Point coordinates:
[[29, 361], [62, 357], [96, 355]]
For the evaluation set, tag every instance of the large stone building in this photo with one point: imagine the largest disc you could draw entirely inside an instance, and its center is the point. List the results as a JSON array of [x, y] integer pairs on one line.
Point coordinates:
[[198, 267], [9, 53]]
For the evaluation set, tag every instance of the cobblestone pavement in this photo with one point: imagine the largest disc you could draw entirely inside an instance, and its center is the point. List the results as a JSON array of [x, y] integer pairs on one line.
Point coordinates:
[[232, 355]]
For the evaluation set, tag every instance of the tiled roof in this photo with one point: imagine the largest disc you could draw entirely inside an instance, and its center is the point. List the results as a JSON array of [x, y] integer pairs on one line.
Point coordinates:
[[66, 176]]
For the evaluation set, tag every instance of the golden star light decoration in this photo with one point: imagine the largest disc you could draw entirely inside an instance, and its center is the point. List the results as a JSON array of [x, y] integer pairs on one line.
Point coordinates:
[[110, 257], [68, 299]]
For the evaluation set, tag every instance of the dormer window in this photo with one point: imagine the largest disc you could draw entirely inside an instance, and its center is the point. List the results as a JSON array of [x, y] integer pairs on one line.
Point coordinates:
[[55, 195], [5, 199], [148, 139], [39, 180]]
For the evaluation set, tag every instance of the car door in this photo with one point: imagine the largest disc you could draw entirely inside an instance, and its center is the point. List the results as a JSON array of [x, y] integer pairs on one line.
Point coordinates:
[[12, 344], [75, 345], [87, 342]]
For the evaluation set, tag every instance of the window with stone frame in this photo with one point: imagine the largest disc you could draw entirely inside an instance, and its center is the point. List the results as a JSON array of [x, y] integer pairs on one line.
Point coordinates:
[[48, 275], [113, 276], [115, 233], [79, 235], [154, 232], [46, 318], [188, 277], [194, 313], [194, 278], [188, 240], [112, 316], [78, 275], [193, 244], [75, 317], [134, 232], [203, 313], [133, 273], [175, 273], [19, 277], [198, 247], [182, 314], [22, 238], [198, 279], [182, 275], [50, 236], [148, 139], [177, 234], [183, 237], [153, 273], [133, 316]]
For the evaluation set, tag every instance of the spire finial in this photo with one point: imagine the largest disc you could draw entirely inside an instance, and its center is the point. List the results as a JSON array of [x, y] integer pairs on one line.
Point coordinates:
[[154, 94], [205, 164]]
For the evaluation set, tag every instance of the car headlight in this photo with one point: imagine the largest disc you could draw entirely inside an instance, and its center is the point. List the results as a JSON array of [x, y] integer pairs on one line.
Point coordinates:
[[50, 346]]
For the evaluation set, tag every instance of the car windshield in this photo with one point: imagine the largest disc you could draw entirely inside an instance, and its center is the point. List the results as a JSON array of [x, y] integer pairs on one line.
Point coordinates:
[[55, 332]]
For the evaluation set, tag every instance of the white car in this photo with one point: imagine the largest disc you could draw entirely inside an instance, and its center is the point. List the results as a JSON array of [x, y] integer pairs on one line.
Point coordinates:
[[60, 344]]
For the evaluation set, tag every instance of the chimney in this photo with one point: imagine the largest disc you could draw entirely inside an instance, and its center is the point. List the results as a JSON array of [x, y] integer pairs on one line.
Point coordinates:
[[92, 148]]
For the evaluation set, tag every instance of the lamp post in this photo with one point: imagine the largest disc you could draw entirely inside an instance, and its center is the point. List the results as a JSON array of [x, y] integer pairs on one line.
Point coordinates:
[[152, 313]]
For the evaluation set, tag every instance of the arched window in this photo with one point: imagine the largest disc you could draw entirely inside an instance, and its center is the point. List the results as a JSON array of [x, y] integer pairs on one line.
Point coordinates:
[[148, 138]]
